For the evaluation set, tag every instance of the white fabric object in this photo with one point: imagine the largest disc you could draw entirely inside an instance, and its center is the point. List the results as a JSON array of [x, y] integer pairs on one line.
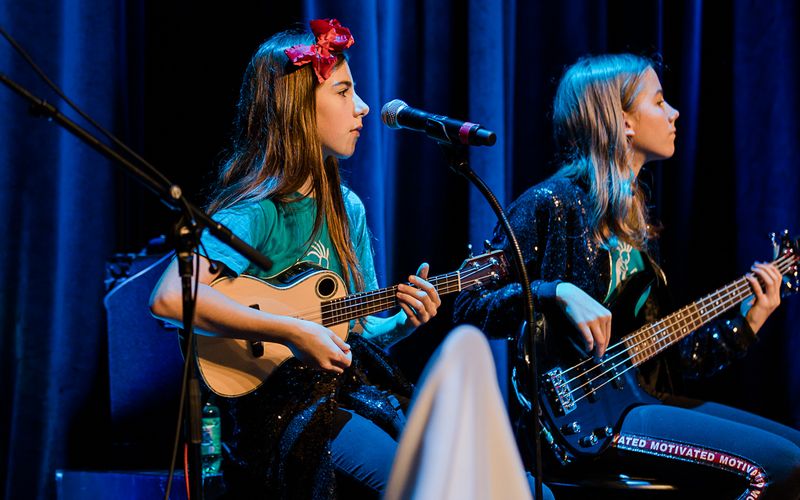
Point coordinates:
[[457, 443]]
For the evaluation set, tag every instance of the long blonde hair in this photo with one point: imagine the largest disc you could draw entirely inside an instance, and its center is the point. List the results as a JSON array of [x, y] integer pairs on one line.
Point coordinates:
[[589, 129], [276, 148]]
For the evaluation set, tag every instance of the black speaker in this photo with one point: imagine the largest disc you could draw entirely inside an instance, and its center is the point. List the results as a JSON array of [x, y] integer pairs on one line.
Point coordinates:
[[145, 365]]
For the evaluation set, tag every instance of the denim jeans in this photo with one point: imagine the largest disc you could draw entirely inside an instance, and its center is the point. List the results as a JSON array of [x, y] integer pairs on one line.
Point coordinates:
[[363, 454]]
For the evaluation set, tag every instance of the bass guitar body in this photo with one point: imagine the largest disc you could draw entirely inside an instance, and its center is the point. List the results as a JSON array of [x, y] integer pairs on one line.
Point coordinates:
[[585, 405]]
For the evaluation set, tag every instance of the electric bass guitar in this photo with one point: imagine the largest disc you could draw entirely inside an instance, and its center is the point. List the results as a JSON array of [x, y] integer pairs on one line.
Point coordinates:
[[233, 367], [584, 399]]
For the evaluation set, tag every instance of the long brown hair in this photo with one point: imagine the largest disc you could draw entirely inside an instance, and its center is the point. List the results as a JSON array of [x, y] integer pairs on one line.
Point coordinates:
[[589, 129], [276, 148]]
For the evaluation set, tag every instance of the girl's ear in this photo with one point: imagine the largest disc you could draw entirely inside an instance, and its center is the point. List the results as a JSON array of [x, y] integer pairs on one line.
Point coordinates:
[[630, 124]]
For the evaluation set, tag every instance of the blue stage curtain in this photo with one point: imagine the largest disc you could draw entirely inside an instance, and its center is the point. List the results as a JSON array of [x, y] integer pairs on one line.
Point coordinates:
[[166, 76], [57, 199], [765, 111]]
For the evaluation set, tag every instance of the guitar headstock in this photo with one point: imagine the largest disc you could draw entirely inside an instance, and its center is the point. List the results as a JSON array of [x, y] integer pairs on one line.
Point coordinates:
[[786, 259], [487, 268]]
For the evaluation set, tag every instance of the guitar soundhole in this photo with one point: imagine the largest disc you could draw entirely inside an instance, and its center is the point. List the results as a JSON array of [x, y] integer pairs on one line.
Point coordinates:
[[326, 287], [256, 348]]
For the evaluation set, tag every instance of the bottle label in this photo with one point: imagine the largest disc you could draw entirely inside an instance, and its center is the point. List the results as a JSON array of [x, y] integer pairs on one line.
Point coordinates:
[[211, 437]]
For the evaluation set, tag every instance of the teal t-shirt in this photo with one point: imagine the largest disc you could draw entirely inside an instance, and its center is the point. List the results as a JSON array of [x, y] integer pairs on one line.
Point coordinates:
[[281, 231]]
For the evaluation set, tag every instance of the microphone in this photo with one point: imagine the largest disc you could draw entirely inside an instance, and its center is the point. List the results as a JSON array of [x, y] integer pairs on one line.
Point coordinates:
[[397, 114]]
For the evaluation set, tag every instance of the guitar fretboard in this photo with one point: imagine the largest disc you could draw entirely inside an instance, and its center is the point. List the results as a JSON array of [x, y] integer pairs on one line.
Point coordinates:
[[362, 304], [650, 340]]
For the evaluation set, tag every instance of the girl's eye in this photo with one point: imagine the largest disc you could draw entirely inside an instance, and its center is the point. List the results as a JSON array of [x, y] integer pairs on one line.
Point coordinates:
[[343, 93]]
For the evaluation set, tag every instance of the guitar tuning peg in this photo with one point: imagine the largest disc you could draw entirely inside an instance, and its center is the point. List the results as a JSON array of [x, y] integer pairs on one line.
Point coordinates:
[[776, 245], [487, 245], [469, 251]]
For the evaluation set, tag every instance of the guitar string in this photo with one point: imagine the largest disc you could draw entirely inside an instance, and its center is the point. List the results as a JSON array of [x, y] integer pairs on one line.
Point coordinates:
[[742, 285], [384, 298], [357, 307], [389, 293], [667, 331], [382, 295], [684, 318], [657, 328], [714, 313], [778, 262]]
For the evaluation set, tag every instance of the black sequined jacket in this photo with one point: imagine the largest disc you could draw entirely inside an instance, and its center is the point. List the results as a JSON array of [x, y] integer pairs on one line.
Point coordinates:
[[550, 221], [280, 442]]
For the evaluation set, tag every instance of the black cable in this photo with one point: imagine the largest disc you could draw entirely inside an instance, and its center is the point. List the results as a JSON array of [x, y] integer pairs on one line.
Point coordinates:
[[213, 268]]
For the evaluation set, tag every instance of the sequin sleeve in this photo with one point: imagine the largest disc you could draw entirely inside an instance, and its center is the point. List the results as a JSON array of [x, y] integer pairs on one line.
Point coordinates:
[[715, 346], [712, 347]]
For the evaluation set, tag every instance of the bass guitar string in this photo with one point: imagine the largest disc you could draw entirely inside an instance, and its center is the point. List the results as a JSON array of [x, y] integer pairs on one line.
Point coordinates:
[[739, 293], [680, 317], [778, 262], [688, 321]]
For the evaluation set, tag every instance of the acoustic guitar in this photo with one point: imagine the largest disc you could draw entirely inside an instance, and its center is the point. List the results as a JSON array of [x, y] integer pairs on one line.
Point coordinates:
[[233, 367]]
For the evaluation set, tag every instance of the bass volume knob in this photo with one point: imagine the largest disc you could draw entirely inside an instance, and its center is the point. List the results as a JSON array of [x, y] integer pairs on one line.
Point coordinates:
[[588, 440], [571, 428], [605, 432]]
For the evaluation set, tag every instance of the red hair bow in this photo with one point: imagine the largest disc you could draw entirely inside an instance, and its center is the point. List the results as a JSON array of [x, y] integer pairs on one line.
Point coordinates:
[[331, 37]]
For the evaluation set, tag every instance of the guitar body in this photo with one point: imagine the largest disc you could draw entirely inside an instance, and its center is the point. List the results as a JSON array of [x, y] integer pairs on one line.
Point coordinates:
[[606, 390], [234, 367]]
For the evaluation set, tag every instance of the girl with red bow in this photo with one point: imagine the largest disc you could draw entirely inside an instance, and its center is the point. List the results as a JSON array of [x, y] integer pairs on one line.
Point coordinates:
[[330, 416]]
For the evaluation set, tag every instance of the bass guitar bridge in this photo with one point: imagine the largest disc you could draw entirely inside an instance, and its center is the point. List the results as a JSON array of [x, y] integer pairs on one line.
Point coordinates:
[[558, 391]]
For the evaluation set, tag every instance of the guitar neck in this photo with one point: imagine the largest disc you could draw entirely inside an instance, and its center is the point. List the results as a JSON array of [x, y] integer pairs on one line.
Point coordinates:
[[362, 304], [651, 339]]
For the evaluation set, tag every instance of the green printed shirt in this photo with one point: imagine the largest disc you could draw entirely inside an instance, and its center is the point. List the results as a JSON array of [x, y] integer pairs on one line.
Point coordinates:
[[626, 261], [281, 232]]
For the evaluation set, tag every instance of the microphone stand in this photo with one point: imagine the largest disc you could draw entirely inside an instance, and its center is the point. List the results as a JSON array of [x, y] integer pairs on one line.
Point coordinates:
[[188, 234], [457, 156]]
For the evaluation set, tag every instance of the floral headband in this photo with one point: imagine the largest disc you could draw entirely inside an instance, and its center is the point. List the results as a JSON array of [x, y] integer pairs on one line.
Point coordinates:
[[331, 37]]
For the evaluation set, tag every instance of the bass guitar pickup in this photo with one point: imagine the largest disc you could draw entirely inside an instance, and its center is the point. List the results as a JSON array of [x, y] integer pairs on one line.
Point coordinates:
[[559, 392]]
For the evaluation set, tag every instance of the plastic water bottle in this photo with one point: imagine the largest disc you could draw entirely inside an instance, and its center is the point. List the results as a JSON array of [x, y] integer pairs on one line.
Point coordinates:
[[211, 446]]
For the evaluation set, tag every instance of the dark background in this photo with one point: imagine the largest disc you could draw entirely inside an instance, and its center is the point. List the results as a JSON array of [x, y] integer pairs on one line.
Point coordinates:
[[164, 76]]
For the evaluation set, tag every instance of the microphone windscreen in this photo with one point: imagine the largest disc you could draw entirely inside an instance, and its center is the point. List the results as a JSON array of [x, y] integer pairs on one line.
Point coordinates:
[[389, 112]]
